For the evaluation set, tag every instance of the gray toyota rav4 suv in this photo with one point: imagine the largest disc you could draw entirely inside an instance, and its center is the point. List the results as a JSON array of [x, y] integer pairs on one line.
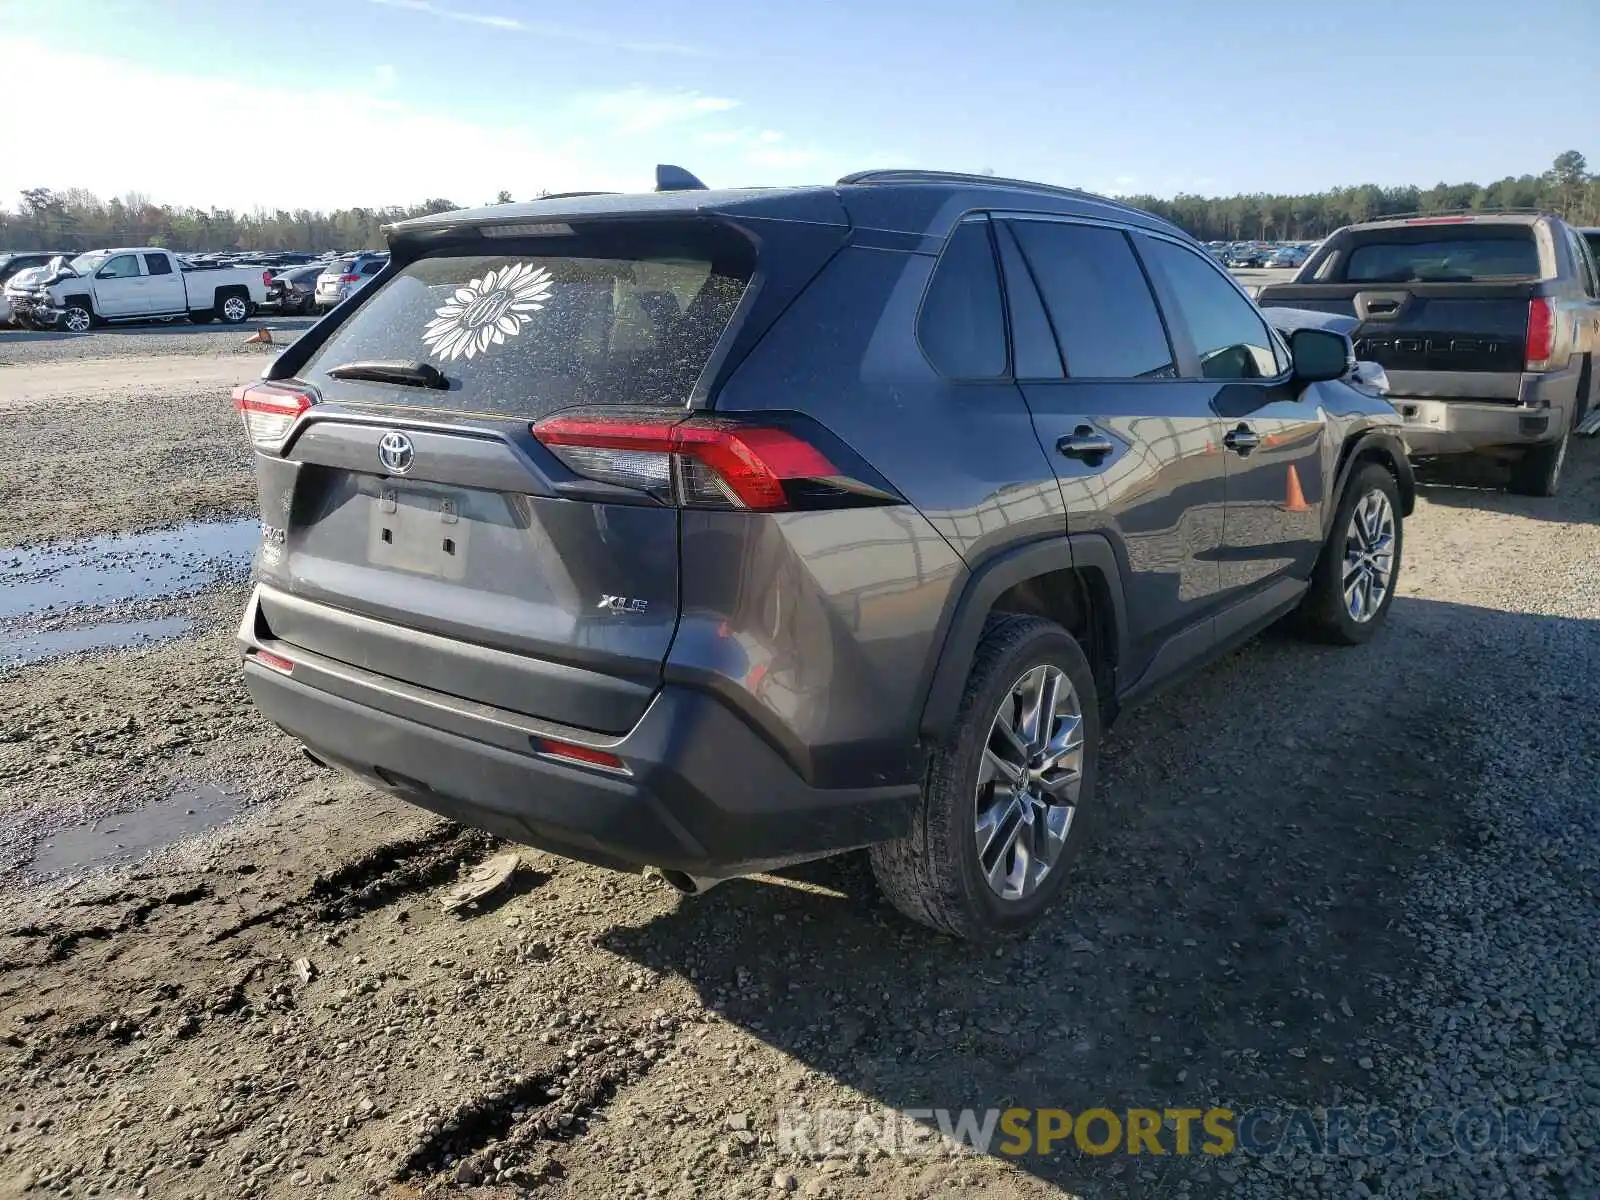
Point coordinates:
[[713, 530]]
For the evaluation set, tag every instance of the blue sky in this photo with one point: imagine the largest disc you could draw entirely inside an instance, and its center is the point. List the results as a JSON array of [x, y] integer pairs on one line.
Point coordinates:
[[321, 103]]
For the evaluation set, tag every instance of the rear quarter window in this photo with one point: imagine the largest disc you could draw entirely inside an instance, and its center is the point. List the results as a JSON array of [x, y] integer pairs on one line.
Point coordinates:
[[530, 328]]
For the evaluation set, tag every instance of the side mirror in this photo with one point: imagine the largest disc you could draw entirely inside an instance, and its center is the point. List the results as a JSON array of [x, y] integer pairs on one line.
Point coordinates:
[[1319, 354]]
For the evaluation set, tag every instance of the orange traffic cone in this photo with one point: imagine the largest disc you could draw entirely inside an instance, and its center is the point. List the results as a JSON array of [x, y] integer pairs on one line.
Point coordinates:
[[1295, 500], [262, 335]]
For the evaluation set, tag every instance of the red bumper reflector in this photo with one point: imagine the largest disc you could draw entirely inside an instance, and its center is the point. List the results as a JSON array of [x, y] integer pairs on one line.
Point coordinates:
[[273, 662], [587, 755]]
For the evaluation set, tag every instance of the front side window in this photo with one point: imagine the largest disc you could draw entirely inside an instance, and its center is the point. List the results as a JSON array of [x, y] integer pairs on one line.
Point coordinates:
[[123, 266], [1105, 319], [1229, 334], [962, 325]]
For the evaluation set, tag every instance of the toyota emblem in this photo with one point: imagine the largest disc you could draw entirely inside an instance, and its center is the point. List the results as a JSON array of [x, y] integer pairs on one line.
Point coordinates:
[[396, 453]]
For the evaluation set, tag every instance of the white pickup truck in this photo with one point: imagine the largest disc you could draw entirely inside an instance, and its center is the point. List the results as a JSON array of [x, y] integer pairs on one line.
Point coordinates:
[[137, 283]]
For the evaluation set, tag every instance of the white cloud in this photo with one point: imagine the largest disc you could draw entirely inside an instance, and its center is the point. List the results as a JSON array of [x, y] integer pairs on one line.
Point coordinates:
[[242, 144], [537, 28], [642, 110]]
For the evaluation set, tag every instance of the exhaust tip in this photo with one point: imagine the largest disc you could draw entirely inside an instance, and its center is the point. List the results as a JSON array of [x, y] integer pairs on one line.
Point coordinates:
[[685, 883]]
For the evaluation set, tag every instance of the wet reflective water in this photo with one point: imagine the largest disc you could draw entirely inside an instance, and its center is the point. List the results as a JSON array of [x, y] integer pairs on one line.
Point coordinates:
[[128, 837], [18, 648], [117, 568]]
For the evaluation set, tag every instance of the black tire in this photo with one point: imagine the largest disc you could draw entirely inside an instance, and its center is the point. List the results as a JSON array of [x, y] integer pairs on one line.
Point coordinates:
[[203, 316], [233, 308], [933, 875], [1538, 471], [77, 315], [1323, 614]]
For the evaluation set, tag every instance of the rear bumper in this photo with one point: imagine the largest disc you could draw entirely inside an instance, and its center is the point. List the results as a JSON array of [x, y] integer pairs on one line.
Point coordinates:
[[703, 793], [1542, 413]]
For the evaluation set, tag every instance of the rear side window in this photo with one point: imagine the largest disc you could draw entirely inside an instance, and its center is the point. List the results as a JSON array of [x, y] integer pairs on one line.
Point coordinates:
[[1462, 256], [1105, 319], [157, 264], [1229, 334], [621, 318], [962, 325]]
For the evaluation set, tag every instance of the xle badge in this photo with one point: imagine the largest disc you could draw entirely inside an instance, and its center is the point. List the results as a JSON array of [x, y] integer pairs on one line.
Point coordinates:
[[621, 604]]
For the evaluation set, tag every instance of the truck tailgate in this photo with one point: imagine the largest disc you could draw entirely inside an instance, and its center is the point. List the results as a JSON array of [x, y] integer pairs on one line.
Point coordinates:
[[1434, 340]]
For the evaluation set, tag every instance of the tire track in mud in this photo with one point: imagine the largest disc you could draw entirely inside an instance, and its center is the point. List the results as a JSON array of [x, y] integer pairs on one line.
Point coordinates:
[[376, 878], [499, 1136]]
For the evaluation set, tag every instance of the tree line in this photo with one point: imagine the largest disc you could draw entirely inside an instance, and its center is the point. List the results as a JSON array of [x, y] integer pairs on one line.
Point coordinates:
[[74, 219]]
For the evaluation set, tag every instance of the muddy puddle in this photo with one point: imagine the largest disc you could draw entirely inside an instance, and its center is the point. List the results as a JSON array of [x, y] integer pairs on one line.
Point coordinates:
[[21, 647], [49, 594], [118, 568], [127, 837]]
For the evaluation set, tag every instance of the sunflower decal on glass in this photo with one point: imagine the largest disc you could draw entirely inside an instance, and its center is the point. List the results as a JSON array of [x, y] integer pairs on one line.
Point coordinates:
[[487, 311]]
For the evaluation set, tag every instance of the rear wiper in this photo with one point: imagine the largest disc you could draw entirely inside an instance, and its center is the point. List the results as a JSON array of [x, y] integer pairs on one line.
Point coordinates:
[[394, 370]]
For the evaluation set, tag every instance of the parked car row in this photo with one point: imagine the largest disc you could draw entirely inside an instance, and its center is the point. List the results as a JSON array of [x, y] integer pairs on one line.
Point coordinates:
[[73, 292], [1260, 254], [133, 283]]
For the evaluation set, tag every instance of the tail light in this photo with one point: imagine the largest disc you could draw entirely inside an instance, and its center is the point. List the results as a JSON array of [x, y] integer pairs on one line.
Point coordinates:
[[713, 462], [269, 412], [349, 279], [1541, 334], [266, 279]]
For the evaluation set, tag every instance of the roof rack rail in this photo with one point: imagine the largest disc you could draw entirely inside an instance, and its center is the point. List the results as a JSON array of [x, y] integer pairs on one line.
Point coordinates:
[[912, 175], [1463, 212]]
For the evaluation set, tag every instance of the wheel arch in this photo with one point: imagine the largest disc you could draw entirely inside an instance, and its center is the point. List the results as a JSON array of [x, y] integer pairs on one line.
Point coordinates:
[[1073, 580], [1388, 451]]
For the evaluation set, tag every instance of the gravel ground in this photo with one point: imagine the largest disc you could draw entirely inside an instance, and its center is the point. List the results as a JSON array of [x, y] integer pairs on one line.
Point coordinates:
[[1323, 877]]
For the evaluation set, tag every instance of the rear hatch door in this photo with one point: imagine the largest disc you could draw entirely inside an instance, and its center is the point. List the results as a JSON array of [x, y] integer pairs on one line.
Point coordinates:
[[1443, 309], [426, 535]]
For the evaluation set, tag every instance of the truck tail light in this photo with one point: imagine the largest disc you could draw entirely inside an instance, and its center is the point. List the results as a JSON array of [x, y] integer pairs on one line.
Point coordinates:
[[269, 412], [710, 462], [1541, 334], [266, 279]]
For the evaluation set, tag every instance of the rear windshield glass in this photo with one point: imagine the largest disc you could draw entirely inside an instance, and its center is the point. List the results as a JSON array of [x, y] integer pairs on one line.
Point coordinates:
[[340, 266], [543, 325], [1462, 257]]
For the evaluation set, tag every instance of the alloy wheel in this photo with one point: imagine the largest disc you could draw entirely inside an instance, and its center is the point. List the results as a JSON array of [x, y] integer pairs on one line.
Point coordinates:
[[234, 310], [1368, 556], [1029, 782], [77, 320]]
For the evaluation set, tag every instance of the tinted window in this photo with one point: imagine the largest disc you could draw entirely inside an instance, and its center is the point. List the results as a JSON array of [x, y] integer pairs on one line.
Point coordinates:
[[1105, 318], [123, 266], [1583, 260], [1445, 259], [157, 264], [343, 266], [1593, 238], [1230, 336], [1033, 344], [962, 326], [616, 318], [372, 268]]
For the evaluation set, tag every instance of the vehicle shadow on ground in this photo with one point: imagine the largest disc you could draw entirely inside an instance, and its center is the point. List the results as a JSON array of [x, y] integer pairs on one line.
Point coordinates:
[[1229, 940], [1480, 484]]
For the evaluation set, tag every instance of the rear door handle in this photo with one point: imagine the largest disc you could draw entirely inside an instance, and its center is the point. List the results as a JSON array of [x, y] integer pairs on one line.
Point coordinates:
[[1085, 442], [1241, 440]]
